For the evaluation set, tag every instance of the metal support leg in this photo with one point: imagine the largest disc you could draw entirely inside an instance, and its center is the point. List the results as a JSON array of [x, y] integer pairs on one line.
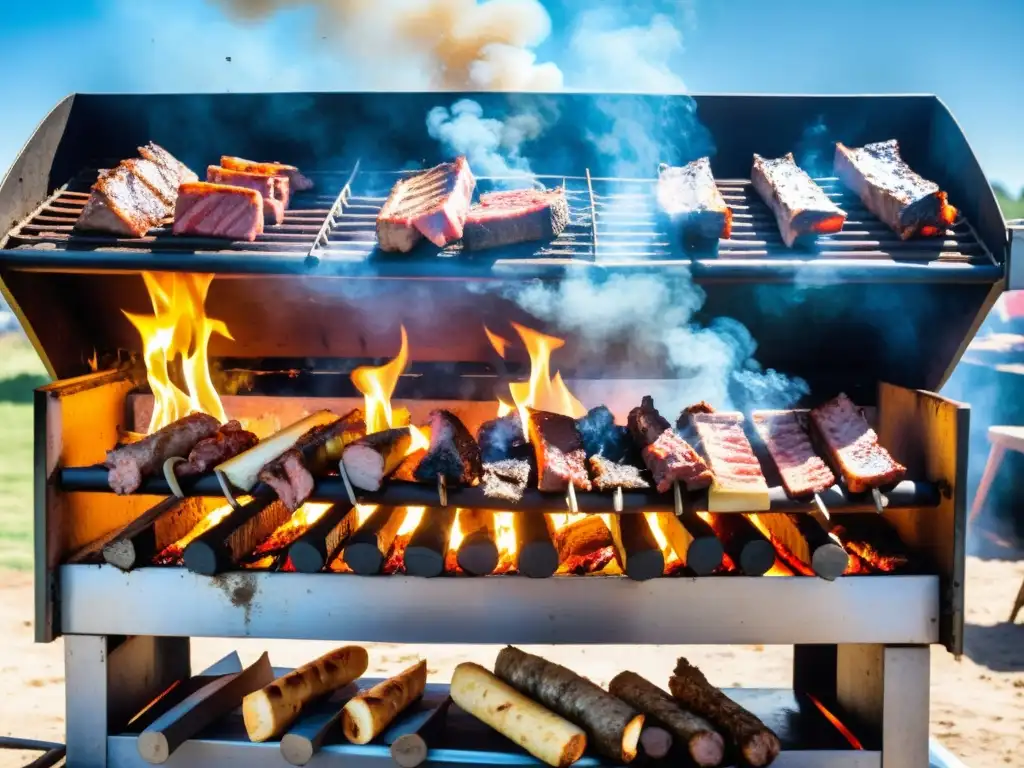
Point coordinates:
[[995, 459], [108, 683], [886, 687]]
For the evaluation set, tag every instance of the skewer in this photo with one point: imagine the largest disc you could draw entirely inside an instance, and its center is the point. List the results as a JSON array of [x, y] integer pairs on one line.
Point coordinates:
[[821, 508], [571, 499], [349, 490], [677, 498], [171, 478], [442, 490], [225, 488], [617, 498], [880, 501]]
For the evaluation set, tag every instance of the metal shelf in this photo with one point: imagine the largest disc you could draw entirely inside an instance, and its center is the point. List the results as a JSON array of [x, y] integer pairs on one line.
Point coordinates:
[[785, 610]]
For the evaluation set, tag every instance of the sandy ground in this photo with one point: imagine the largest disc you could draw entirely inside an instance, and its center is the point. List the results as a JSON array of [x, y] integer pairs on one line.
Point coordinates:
[[977, 707]]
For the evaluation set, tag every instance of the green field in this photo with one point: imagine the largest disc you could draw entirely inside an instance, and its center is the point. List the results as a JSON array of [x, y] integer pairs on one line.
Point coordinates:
[[1012, 209], [20, 373]]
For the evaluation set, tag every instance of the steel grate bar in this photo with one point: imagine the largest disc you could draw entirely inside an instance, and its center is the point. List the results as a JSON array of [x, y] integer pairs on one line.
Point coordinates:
[[313, 257]]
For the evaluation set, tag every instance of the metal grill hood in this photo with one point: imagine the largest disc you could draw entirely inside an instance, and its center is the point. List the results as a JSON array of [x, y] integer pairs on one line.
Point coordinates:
[[842, 325]]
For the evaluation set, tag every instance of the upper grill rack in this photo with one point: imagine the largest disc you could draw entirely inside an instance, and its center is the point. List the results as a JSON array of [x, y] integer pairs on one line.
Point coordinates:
[[614, 223]]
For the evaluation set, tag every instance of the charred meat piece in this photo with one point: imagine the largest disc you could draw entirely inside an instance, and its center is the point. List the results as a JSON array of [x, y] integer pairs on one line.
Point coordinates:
[[609, 475], [129, 464], [453, 453], [739, 484], [431, 204], [669, 457], [297, 182], [218, 210], [757, 744], [229, 441], [154, 177], [372, 458], [558, 448], [699, 407], [517, 216], [268, 187], [291, 480], [890, 189], [785, 435], [692, 201], [176, 171], [800, 206], [506, 457], [853, 446], [123, 204]]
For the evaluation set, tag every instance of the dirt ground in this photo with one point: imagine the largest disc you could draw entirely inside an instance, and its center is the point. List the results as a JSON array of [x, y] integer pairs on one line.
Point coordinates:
[[977, 707]]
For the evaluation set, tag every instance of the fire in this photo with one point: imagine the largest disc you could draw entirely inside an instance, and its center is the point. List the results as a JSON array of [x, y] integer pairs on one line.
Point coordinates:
[[505, 538], [504, 409], [292, 528], [500, 345], [363, 512], [455, 537], [543, 391], [847, 733], [778, 569], [669, 552], [413, 516], [173, 552], [179, 327], [560, 520], [377, 385], [782, 552]]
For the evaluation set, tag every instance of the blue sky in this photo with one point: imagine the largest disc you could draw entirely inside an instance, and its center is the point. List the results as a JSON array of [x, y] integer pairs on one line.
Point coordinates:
[[969, 53]]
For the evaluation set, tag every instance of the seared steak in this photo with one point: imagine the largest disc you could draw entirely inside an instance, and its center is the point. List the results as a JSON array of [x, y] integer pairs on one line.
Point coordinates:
[[853, 446], [431, 204], [691, 200], [176, 171], [800, 206], [558, 448], [298, 182], [267, 186], [122, 204], [890, 189], [218, 210], [668, 457], [785, 434], [518, 216]]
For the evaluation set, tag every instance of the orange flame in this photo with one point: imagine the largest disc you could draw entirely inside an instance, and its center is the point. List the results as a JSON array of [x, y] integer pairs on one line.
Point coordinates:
[[291, 529], [778, 569], [500, 345], [847, 733], [672, 558], [179, 326], [543, 391], [173, 552], [560, 520], [783, 555], [505, 538], [413, 516], [363, 512], [377, 385], [504, 409]]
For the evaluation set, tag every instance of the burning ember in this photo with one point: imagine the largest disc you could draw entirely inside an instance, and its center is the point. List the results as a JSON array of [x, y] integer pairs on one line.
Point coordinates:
[[292, 528], [396, 557], [179, 327], [173, 553], [847, 733], [505, 538]]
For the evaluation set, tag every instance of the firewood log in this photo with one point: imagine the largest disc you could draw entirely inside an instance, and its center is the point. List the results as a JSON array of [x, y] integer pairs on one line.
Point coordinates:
[[371, 711], [696, 735], [367, 548], [746, 546], [538, 557], [409, 739], [322, 541], [613, 725], [478, 552], [539, 731], [758, 745], [153, 531], [582, 537], [808, 542], [372, 458], [693, 540], [639, 553], [268, 712], [428, 547]]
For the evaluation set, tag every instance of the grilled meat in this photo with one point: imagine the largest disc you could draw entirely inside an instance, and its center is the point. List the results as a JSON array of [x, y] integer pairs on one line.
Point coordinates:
[[519, 216], [611, 454], [667, 455], [890, 189], [123, 204], [218, 210], [558, 448], [229, 441], [432, 204], [785, 435], [154, 177], [853, 446], [269, 188], [290, 478], [177, 173], [130, 464], [297, 182], [800, 206], [609, 475], [506, 479], [453, 452], [692, 201], [506, 457], [739, 483]]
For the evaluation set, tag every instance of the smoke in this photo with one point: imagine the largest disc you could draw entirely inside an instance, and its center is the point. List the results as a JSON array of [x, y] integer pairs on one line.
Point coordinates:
[[651, 317], [431, 44], [493, 147]]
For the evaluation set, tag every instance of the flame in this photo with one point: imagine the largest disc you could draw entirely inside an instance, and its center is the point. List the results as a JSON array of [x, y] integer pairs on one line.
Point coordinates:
[[508, 544], [504, 409], [292, 528], [363, 512], [782, 552], [413, 516], [500, 345], [179, 326], [778, 569], [94, 361], [420, 440], [560, 520], [455, 537], [667, 550], [847, 733], [173, 552], [377, 385], [543, 392]]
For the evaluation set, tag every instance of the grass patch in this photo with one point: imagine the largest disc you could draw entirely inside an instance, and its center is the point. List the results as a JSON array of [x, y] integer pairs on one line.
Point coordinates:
[[20, 372], [1012, 209]]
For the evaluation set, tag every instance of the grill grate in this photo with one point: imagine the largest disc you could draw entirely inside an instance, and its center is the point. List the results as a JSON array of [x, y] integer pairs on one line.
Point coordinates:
[[613, 222]]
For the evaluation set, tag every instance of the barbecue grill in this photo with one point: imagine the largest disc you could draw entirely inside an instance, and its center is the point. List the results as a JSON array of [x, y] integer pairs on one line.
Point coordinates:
[[882, 319]]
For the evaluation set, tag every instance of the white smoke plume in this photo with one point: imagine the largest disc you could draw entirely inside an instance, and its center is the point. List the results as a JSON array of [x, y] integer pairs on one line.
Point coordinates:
[[431, 44]]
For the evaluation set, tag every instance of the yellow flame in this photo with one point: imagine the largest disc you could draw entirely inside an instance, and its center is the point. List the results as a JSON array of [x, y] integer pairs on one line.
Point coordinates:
[[504, 409], [179, 327], [457, 534], [500, 345], [543, 391], [420, 441], [377, 385], [560, 520], [363, 512], [505, 539], [290, 530], [413, 516], [213, 517]]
